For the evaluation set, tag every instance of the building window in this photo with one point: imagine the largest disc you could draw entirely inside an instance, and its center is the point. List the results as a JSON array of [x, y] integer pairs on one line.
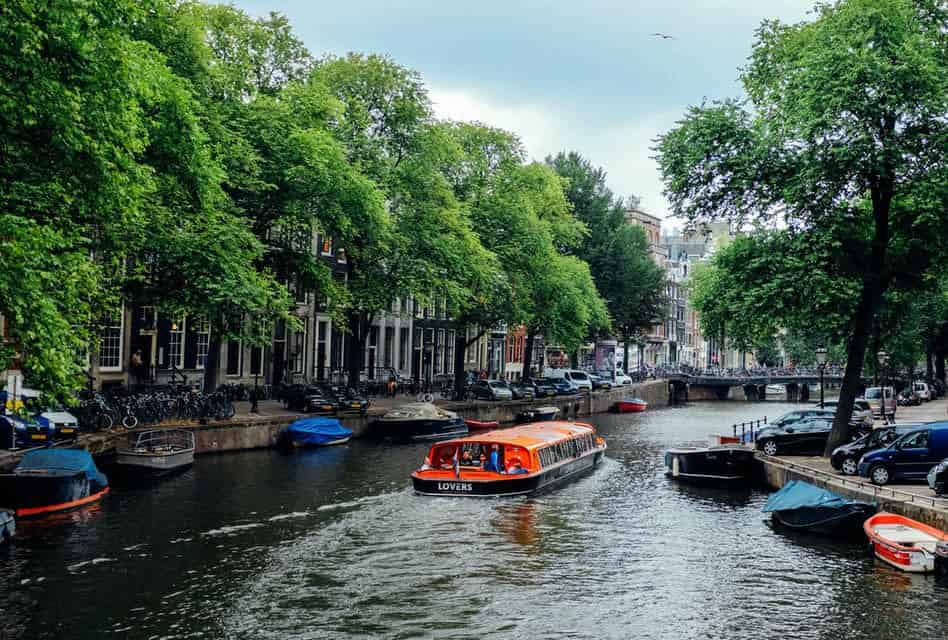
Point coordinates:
[[439, 353], [322, 343], [110, 341], [403, 348], [389, 355], [449, 352], [146, 318], [203, 331], [256, 361], [297, 347], [176, 344], [235, 356]]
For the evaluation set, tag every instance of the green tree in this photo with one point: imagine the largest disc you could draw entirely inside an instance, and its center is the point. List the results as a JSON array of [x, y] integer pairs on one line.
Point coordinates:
[[845, 140], [617, 252]]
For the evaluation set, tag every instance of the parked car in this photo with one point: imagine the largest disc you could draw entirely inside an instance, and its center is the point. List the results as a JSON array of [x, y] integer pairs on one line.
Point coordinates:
[[908, 398], [491, 390], [542, 387], [910, 457], [862, 414], [846, 457], [522, 391], [874, 398], [801, 414], [622, 378], [564, 387], [599, 382], [24, 432], [54, 418], [938, 477], [308, 398], [804, 437], [578, 379], [923, 391], [345, 398], [938, 388]]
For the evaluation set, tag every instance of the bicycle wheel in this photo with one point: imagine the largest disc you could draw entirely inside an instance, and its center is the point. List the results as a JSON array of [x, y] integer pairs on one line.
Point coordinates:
[[130, 421]]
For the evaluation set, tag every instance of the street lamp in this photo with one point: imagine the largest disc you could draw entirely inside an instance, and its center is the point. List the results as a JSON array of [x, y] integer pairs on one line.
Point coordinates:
[[821, 361], [883, 358]]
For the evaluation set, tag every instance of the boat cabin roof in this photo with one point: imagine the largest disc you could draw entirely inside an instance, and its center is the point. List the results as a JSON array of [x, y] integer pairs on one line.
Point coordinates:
[[529, 436]]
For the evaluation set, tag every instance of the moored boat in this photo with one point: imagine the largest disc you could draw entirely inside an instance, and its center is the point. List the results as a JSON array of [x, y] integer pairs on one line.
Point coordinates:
[[802, 506], [538, 414], [481, 425], [904, 543], [520, 460], [50, 480], [419, 421], [315, 432], [155, 453], [728, 464], [630, 405]]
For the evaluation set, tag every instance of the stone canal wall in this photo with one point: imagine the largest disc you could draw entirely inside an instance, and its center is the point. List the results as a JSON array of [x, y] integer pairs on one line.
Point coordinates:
[[895, 499], [260, 432]]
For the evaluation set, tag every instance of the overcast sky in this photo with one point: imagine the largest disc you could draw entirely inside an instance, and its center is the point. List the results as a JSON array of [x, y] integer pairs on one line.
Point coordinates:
[[579, 75]]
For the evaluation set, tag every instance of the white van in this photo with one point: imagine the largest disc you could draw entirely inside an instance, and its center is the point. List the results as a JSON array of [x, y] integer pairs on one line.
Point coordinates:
[[922, 391], [579, 380]]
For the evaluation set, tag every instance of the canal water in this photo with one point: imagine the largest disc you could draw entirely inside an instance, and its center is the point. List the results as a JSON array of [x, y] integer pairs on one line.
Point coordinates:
[[332, 543]]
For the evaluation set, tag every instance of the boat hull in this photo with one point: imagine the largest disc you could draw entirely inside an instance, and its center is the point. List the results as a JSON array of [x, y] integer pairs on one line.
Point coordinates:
[[905, 556], [509, 485], [153, 465], [419, 430], [31, 495], [844, 522], [630, 407], [538, 415], [713, 466], [481, 425]]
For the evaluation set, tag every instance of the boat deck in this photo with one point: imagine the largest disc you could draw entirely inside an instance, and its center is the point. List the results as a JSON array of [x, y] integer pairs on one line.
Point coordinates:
[[906, 535]]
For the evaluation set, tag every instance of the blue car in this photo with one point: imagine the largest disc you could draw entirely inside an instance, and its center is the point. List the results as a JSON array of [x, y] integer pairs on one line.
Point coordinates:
[[910, 457]]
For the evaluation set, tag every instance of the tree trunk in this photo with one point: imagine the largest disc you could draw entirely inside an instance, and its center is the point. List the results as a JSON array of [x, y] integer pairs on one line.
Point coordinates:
[[874, 283], [528, 354], [929, 367], [940, 365], [212, 364], [460, 346]]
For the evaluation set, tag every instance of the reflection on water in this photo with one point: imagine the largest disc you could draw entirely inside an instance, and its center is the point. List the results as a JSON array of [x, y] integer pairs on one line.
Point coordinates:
[[332, 543]]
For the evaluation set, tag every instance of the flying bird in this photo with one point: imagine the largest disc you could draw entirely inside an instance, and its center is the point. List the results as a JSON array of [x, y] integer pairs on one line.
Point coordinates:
[[664, 36]]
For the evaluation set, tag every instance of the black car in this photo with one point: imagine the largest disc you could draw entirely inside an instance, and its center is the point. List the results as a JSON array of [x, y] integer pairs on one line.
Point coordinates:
[[522, 391], [802, 414], [308, 398], [345, 398], [845, 458], [804, 437], [938, 477], [542, 387]]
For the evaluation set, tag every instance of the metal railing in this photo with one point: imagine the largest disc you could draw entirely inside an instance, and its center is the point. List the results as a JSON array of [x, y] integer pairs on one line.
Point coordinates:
[[875, 490]]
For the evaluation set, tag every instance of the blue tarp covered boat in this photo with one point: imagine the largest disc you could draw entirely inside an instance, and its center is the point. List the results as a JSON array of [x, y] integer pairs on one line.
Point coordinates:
[[49, 480], [317, 432], [805, 507]]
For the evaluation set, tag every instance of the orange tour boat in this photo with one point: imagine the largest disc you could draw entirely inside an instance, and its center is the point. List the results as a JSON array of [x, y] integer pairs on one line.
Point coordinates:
[[508, 462]]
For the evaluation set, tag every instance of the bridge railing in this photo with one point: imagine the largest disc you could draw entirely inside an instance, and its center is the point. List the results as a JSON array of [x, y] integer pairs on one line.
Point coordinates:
[[754, 372]]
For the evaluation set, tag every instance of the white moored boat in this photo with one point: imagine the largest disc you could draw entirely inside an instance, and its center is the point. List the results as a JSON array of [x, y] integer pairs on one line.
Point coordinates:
[[157, 452]]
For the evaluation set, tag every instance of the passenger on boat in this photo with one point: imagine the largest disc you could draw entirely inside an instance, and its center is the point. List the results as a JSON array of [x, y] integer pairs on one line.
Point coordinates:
[[493, 462], [447, 459], [514, 467], [467, 460]]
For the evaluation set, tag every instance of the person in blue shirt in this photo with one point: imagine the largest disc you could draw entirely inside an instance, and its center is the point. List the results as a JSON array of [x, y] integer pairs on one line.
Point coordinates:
[[493, 460]]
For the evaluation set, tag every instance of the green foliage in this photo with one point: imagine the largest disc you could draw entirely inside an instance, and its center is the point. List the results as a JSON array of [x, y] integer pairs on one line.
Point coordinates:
[[619, 257]]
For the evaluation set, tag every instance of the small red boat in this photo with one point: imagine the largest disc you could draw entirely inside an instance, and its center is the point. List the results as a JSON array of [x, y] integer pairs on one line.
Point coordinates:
[[904, 543], [481, 425], [630, 405]]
